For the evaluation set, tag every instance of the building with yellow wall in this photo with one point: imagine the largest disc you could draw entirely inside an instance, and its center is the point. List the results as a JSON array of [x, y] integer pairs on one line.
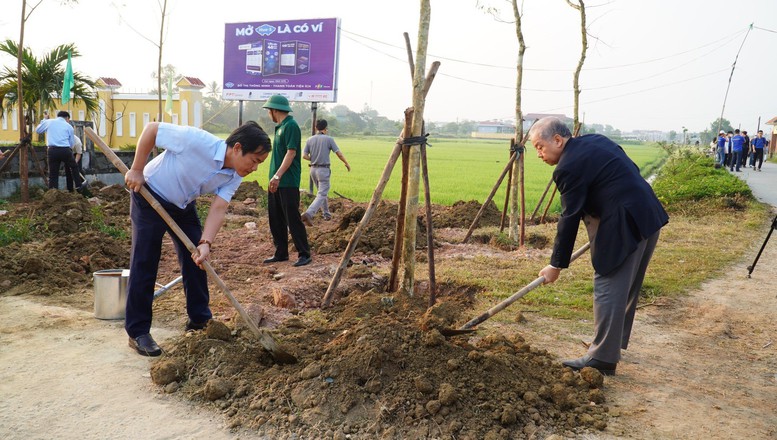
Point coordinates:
[[121, 117]]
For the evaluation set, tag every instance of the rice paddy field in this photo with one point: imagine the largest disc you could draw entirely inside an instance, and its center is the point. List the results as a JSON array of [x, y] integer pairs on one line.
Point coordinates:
[[459, 169]]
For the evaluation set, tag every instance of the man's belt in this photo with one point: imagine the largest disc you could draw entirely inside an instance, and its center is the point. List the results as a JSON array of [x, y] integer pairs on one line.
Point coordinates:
[[319, 166]]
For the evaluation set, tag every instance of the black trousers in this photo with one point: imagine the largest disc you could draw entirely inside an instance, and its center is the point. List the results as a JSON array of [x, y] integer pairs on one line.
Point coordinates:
[[283, 209], [58, 156], [758, 158], [147, 231]]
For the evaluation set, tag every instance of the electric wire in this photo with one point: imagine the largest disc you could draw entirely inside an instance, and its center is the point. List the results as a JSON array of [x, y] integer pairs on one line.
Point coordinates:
[[726, 38]]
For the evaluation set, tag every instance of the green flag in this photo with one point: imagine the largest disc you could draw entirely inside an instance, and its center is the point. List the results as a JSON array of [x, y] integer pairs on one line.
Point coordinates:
[[169, 102], [67, 84]]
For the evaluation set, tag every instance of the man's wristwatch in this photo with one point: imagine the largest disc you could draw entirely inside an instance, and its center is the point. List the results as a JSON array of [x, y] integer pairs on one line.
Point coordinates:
[[275, 177]]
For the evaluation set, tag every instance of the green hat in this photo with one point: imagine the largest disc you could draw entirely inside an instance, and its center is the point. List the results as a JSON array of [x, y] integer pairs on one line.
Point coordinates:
[[278, 102]]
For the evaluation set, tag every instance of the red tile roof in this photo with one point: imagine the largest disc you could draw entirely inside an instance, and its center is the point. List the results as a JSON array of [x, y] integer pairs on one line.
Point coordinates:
[[112, 82], [194, 81]]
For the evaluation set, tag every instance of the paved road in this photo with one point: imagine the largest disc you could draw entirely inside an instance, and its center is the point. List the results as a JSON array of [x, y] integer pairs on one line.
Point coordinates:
[[763, 183]]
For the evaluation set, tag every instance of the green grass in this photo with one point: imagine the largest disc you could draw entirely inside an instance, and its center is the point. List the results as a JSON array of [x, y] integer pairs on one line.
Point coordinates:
[[459, 169], [16, 231], [701, 202]]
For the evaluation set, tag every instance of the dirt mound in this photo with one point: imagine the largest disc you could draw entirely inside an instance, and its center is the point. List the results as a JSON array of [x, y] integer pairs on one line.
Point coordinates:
[[70, 239], [462, 213], [250, 189], [367, 370], [377, 238]]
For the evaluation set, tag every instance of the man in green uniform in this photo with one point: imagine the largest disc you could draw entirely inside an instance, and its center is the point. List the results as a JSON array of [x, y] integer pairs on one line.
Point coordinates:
[[283, 196]]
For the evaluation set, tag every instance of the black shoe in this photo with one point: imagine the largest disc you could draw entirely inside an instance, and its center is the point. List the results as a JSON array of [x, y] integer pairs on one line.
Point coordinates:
[[145, 345], [303, 261], [194, 326], [606, 368], [275, 259]]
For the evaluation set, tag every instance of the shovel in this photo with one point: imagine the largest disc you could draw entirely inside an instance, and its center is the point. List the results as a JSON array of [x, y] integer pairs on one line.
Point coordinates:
[[467, 328], [265, 338]]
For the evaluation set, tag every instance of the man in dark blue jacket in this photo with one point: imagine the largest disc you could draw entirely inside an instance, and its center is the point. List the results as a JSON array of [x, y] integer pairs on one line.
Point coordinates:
[[600, 185]]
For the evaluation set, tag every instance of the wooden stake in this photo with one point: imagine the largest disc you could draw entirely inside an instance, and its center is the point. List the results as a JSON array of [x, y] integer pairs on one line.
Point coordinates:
[[399, 230], [507, 193], [521, 187], [550, 202], [351, 247], [542, 199], [489, 198], [429, 229]]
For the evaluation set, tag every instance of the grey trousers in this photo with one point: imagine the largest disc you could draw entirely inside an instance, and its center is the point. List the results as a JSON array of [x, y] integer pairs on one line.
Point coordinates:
[[615, 302], [320, 176]]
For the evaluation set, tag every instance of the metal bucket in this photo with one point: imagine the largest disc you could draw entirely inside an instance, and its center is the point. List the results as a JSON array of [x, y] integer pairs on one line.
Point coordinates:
[[110, 293]]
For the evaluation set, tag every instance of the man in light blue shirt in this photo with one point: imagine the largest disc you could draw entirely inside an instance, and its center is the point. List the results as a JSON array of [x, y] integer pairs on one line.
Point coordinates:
[[194, 162], [60, 138]]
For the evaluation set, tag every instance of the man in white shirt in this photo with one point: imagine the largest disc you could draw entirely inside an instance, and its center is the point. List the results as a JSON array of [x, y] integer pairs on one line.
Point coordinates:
[[194, 162]]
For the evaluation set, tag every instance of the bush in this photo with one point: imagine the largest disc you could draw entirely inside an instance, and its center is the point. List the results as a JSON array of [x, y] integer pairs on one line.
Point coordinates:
[[691, 177]]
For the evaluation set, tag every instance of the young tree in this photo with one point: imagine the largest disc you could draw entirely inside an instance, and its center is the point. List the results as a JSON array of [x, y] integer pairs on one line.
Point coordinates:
[[23, 176], [584, 40]]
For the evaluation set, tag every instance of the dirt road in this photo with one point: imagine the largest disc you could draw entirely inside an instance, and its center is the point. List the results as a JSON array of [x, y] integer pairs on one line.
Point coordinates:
[[66, 375]]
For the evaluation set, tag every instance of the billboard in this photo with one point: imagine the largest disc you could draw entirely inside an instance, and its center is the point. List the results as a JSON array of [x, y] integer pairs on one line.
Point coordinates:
[[294, 58]]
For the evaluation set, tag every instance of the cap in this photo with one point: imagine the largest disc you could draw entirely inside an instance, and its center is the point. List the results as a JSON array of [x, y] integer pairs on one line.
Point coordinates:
[[722, 132]]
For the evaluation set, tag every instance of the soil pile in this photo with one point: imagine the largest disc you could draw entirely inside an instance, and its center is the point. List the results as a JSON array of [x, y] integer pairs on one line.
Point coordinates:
[[462, 213], [367, 370], [377, 237], [73, 237]]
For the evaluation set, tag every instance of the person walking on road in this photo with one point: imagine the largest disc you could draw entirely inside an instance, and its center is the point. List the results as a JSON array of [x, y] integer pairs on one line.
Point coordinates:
[[317, 150], [759, 142], [60, 139], [601, 186], [194, 162], [283, 196]]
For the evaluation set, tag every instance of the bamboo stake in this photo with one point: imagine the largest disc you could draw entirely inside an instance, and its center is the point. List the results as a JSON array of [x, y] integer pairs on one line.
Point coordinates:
[[399, 229], [489, 198], [429, 229], [507, 193], [9, 157], [542, 199], [351, 247], [522, 234], [550, 202]]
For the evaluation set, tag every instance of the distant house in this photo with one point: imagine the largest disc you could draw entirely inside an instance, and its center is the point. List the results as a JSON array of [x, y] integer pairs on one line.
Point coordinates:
[[494, 130], [121, 117]]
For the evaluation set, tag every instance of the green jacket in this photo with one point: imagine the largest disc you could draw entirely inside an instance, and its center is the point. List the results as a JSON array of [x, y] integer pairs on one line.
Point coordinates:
[[287, 136]]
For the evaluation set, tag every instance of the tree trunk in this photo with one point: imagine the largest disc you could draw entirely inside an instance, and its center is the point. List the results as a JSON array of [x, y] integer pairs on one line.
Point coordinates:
[[159, 63], [515, 221], [23, 174], [576, 82], [411, 213]]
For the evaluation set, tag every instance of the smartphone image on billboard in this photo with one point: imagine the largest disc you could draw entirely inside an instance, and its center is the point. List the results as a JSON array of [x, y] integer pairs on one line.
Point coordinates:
[[254, 59], [303, 57], [289, 57], [270, 59]]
